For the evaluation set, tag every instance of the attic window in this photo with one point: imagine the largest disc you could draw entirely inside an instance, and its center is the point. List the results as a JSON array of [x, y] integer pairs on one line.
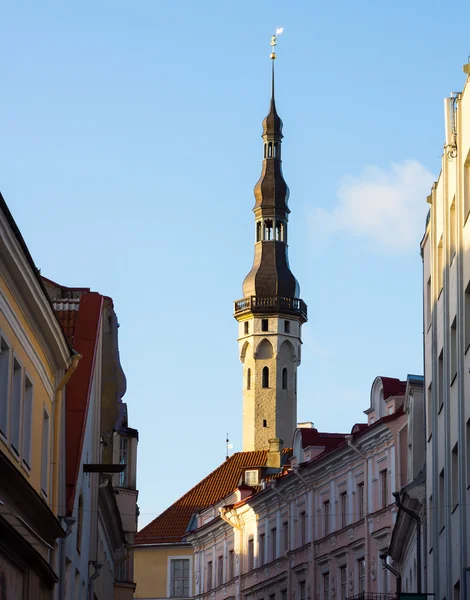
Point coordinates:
[[251, 477]]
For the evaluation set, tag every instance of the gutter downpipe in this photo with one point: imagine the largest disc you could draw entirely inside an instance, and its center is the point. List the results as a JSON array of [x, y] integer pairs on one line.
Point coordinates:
[[55, 468], [417, 518], [273, 486], [392, 570], [312, 543], [366, 507]]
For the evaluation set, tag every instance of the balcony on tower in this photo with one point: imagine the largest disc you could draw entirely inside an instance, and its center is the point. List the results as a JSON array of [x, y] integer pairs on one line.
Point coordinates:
[[271, 304]]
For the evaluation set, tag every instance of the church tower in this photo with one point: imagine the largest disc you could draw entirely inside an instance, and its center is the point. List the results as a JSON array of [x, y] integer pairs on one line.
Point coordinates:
[[270, 314]]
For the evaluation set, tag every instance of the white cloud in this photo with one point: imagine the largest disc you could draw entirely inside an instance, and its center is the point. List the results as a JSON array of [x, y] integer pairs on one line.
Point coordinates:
[[387, 206]]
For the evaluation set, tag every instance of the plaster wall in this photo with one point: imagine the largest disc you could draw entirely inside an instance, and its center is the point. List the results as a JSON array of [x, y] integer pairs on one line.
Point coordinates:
[[151, 569], [446, 382], [271, 411]]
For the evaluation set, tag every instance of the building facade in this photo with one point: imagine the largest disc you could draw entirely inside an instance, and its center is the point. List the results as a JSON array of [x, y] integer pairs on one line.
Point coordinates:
[[99, 499], [35, 362], [446, 290], [317, 530]]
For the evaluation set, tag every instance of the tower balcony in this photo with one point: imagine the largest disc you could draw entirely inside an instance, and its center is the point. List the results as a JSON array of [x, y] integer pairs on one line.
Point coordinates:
[[271, 304]]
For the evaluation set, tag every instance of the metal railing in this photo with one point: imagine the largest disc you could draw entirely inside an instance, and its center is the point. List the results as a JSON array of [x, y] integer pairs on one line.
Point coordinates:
[[373, 596], [271, 304]]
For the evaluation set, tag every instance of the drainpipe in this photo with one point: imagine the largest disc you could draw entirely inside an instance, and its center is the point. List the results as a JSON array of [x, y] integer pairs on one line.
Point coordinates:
[[273, 486], [417, 518], [393, 571], [349, 439], [295, 469]]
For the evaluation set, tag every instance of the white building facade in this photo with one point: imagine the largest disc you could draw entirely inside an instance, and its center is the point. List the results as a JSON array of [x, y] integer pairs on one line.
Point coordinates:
[[446, 269]]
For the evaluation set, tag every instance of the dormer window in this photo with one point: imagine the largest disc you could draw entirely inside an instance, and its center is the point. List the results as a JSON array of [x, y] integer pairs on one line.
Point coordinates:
[[251, 477]]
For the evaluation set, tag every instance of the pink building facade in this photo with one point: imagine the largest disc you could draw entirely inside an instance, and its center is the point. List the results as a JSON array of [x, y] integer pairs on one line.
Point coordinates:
[[316, 527]]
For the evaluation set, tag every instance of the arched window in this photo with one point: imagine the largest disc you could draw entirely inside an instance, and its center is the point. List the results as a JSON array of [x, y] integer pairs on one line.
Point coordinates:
[[258, 231], [79, 522], [265, 377], [265, 150], [268, 229], [270, 150], [279, 231], [248, 379], [284, 378]]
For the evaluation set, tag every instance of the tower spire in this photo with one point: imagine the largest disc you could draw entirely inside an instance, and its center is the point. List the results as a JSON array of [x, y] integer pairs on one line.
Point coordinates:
[[271, 312]]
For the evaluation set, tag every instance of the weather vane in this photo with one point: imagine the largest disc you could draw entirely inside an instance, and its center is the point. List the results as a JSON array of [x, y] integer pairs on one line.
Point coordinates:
[[274, 41]]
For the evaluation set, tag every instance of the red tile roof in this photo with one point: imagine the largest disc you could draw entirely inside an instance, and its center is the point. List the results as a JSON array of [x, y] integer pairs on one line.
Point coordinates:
[[313, 437], [67, 313], [171, 525]]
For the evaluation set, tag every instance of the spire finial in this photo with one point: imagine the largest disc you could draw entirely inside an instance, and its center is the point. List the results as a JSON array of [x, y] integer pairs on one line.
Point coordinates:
[[279, 30]]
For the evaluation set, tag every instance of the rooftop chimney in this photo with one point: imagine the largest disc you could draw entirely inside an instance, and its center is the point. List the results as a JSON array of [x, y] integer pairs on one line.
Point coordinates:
[[274, 453]]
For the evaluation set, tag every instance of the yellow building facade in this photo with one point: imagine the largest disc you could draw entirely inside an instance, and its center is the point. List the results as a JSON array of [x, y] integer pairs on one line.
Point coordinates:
[[35, 361]]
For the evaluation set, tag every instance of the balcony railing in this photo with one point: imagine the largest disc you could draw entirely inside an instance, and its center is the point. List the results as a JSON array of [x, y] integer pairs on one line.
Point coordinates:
[[270, 304], [372, 596]]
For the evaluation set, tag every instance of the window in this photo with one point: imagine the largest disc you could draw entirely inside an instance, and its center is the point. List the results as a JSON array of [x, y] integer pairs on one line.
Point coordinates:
[[441, 500], [248, 379], [272, 597], [303, 588], [180, 578], [303, 528], [439, 268], [361, 575], [453, 232], [467, 432], [285, 535], [343, 578], [27, 421], [261, 543], [265, 423], [466, 188], [273, 543], [251, 477], [45, 453], [284, 378], [453, 351], [430, 522], [265, 377], [231, 564], [283, 594], [428, 303], [220, 570], [455, 476], [467, 316], [344, 509], [326, 517], [15, 421], [440, 380], [258, 227], [123, 459], [326, 586], [360, 500], [79, 522], [250, 554], [264, 324], [209, 576], [429, 411], [383, 488], [246, 327], [4, 385], [286, 326]]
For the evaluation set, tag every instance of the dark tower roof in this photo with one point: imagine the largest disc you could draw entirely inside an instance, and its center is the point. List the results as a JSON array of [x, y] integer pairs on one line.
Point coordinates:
[[271, 283]]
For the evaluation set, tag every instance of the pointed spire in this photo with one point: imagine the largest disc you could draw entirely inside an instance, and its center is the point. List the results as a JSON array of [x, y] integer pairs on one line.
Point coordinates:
[[272, 124]]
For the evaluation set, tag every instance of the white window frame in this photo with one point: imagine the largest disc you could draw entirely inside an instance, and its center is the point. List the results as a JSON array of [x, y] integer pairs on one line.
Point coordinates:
[[5, 434], [26, 432], [16, 451], [168, 577], [45, 460]]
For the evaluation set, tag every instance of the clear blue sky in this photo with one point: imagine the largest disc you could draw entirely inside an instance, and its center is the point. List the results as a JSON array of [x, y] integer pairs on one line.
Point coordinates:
[[130, 145]]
